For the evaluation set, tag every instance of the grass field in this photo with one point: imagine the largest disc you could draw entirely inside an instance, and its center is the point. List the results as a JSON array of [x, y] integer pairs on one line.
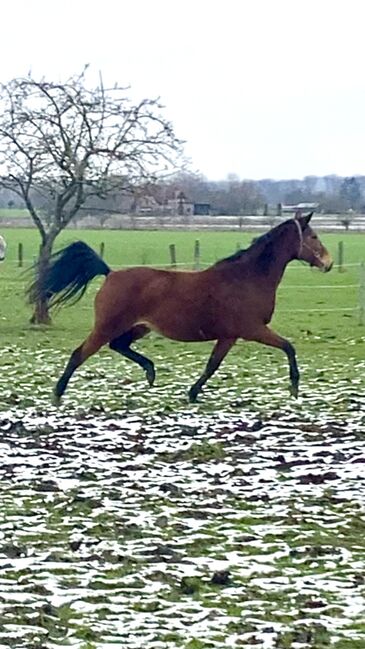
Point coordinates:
[[130, 518], [301, 289], [6, 213]]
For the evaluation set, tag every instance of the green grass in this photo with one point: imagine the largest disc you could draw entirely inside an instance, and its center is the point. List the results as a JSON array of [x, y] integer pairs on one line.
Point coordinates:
[[302, 289], [317, 312], [7, 212], [117, 509], [151, 247]]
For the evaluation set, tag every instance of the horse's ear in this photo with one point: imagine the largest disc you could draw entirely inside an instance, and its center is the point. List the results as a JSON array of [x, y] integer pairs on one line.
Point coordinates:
[[303, 220]]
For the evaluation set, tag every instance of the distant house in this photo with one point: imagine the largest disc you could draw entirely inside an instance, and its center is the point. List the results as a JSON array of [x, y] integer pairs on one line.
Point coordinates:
[[146, 205], [300, 207], [179, 205]]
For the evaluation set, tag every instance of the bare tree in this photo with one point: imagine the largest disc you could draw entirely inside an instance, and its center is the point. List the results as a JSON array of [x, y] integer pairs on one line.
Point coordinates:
[[62, 144]]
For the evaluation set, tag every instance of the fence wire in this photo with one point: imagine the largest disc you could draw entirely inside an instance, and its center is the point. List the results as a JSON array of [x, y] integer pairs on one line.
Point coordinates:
[[282, 287]]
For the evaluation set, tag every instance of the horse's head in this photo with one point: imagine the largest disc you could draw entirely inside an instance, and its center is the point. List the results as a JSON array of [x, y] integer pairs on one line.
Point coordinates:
[[310, 248], [2, 248]]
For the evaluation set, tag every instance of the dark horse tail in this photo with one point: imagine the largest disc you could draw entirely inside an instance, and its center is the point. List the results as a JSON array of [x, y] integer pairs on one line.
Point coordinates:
[[67, 275]]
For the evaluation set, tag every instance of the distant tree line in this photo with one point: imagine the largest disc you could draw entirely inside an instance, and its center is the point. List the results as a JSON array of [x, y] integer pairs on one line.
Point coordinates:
[[333, 194]]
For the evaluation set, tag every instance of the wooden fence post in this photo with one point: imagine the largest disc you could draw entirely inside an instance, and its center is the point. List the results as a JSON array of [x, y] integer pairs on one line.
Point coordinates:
[[144, 258], [172, 254], [340, 257], [362, 294], [20, 254], [197, 255]]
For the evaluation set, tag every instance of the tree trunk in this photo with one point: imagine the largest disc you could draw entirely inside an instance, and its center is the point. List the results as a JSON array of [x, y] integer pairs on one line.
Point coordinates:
[[41, 310], [41, 313]]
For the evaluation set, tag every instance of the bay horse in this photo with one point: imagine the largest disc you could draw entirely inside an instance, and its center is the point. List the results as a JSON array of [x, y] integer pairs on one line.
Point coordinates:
[[2, 248], [234, 298]]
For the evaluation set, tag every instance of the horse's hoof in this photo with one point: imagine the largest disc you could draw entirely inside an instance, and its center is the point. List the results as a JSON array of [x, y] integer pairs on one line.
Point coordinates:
[[56, 400], [294, 391], [150, 375], [193, 395]]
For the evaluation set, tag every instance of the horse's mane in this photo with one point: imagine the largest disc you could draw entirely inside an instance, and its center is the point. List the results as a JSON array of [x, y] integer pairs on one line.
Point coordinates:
[[261, 250]]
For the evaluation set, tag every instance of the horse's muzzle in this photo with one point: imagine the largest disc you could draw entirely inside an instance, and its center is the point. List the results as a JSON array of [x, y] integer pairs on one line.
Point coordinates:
[[326, 263]]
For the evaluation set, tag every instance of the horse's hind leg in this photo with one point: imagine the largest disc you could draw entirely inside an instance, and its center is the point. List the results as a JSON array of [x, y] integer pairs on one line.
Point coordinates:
[[89, 347], [269, 337], [122, 345], [220, 350]]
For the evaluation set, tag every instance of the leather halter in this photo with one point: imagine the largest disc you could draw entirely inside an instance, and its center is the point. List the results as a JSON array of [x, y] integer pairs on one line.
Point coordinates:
[[303, 244], [300, 233]]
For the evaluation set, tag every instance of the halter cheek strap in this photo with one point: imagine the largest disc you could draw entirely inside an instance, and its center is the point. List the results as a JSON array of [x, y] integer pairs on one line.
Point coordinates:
[[300, 233]]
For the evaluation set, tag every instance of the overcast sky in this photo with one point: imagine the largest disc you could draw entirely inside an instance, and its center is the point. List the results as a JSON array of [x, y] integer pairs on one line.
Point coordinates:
[[259, 88]]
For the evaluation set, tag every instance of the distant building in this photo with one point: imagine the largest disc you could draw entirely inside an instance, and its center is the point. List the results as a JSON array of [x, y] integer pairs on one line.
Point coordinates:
[[177, 206], [146, 205], [300, 207], [202, 209]]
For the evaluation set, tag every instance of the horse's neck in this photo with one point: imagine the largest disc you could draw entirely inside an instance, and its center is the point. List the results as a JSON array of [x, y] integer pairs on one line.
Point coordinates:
[[282, 254], [278, 271]]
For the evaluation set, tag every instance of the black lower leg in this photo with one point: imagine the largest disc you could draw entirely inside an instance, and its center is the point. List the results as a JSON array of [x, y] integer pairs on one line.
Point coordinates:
[[293, 368], [122, 346], [197, 387], [72, 365], [220, 350]]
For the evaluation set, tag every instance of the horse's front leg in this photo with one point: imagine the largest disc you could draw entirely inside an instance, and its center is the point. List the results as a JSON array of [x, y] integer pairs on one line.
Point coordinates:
[[268, 337], [220, 350]]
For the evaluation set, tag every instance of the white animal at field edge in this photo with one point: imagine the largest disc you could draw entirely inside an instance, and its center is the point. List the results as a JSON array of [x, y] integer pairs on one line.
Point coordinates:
[[2, 248]]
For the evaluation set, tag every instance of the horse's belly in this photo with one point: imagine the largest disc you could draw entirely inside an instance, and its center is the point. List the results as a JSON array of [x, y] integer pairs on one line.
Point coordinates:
[[193, 327], [209, 318], [182, 331]]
